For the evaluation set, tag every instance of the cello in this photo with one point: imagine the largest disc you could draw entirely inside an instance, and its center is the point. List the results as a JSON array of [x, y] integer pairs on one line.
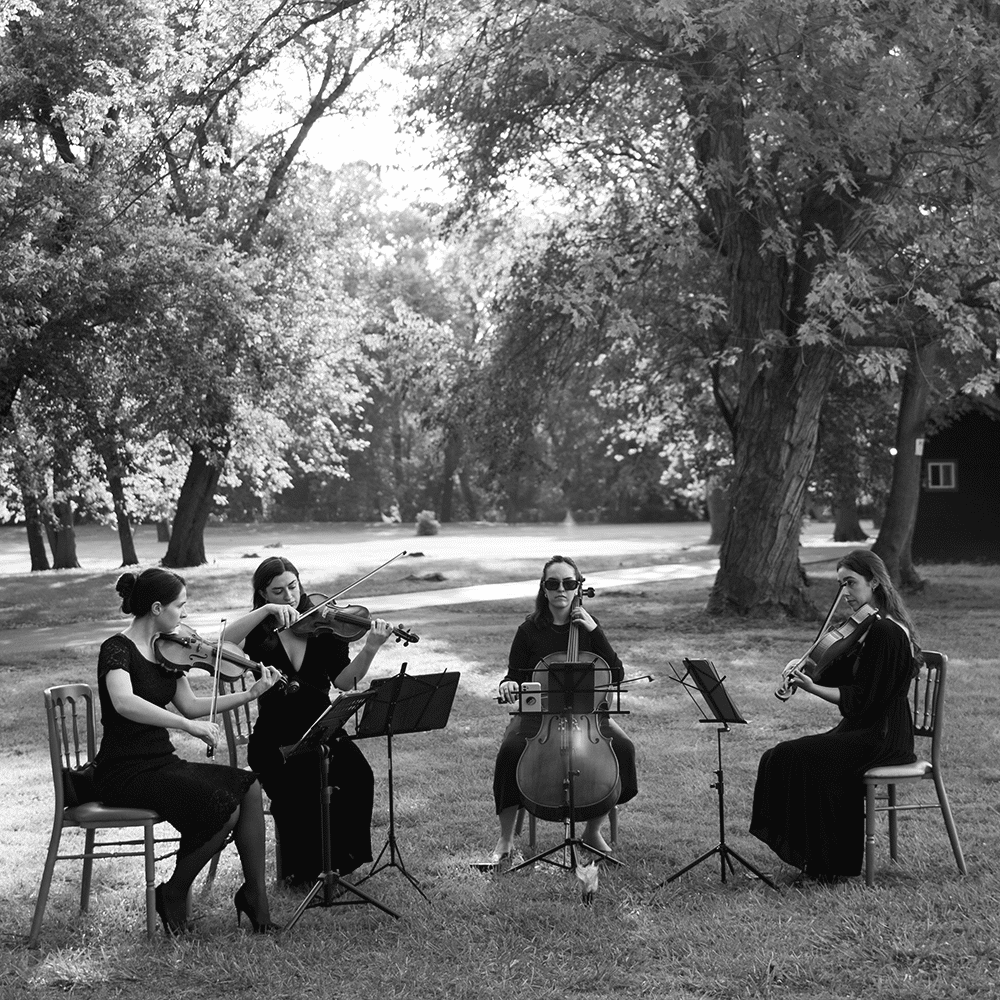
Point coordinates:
[[568, 770]]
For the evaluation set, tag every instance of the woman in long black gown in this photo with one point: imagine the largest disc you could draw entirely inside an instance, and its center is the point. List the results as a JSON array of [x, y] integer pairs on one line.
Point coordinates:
[[315, 664], [808, 804], [137, 766], [546, 631]]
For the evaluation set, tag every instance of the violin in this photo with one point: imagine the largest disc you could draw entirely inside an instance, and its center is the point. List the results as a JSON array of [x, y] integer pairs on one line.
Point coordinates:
[[569, 770], [183, 649], [830, 644], [349, 623]]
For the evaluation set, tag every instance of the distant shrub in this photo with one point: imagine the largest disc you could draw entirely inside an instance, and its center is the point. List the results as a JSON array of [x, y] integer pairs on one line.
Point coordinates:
[[427, 523]]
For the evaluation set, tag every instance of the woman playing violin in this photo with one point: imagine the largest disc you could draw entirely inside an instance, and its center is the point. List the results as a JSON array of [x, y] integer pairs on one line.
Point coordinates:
[[808, 804], [137, 766], [546, 631], [313, 664]]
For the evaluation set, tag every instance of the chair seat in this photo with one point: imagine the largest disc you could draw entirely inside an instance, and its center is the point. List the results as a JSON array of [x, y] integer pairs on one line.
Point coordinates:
[[96, 813], [899, 772]]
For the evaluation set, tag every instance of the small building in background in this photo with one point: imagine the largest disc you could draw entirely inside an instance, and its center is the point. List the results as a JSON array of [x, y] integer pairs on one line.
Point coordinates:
[[958, 518]]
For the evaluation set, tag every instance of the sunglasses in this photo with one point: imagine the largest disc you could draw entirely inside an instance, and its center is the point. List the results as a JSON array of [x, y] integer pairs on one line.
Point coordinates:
[[568, 583]]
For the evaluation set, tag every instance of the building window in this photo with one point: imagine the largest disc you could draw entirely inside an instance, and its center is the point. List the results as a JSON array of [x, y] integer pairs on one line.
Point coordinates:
[[941, 476]]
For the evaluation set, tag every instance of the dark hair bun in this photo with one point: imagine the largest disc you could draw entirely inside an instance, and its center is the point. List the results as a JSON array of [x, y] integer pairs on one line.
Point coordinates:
[[140, 593], [124, 586]]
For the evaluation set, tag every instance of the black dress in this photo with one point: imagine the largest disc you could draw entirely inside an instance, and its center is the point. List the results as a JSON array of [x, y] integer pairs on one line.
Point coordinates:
[[808, 803], [137, 766], [531, 643], [294, 785]]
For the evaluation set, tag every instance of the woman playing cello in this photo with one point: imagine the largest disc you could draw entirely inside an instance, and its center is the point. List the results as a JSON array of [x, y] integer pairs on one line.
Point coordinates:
[[808, 804], [314, 664], [544, 632]]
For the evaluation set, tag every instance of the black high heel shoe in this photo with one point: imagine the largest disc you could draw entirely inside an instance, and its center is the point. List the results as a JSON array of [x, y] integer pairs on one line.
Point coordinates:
[[172, 926], [242, 905]]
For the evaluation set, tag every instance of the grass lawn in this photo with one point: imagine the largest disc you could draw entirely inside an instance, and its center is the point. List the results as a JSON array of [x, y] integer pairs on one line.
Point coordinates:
[[922, 932]]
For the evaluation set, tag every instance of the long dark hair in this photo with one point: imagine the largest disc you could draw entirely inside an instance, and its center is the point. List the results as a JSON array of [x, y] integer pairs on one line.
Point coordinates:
[[271, 567], [542, 615], [140, 593], [884, 594]]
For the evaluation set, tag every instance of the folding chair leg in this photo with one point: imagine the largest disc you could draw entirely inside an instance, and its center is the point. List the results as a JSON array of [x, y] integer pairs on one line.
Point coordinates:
[[893, 823], [150, 858], [279, 873], [43, 889], [949, 823], [212, 869], [869, 835], [88, 869]]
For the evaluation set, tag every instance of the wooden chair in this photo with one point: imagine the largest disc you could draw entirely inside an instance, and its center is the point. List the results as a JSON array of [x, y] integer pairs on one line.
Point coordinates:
[[533, 824], [237, 724], [927, 705], [69, 712]]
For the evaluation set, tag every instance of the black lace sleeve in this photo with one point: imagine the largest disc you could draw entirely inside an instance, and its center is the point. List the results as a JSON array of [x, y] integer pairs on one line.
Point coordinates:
[[116, 654]]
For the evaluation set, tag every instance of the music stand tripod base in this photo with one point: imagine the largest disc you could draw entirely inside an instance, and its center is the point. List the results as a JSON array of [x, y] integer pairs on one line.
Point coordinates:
[[570, 844], [723, 711], [329, 880], [406, 703]]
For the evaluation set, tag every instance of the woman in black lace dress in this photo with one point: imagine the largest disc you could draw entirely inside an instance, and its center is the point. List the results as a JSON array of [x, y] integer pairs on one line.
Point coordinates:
[[808, 803], [315, 665], [137, 766]]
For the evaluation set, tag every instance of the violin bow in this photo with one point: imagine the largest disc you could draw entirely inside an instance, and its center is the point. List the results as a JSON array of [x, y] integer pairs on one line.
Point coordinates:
[[215, 680], [829, 614], [350, 586]]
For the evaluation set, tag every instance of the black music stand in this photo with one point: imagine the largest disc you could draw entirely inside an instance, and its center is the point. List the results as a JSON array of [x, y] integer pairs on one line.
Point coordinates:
[[317, 739], [571, 692], [406, 703], [723, 712]]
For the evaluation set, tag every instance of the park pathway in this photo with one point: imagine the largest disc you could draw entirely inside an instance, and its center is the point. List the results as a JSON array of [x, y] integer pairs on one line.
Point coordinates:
[[18, 642]]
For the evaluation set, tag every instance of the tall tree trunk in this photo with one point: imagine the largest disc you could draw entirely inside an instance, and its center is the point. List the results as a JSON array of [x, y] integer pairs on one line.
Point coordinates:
[[776, 426], [26, 456], [471, 504], [895, 535], [12, 373], [114, 466], [847, 525], [717, 504], [452, 456], [398, 467], [759, 571], [36, 531], [64, 537], [781, 382], [194, 505], [125, 537]]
